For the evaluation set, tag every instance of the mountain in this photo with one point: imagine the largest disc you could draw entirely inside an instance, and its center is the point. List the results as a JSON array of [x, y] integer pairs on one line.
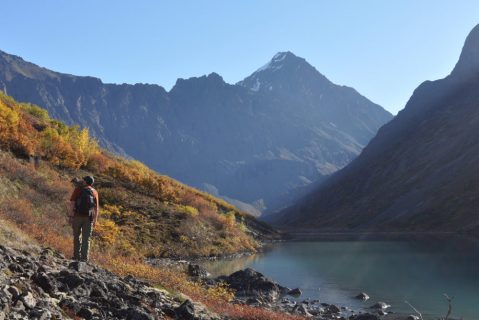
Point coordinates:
[[420, 172], [259, 143]]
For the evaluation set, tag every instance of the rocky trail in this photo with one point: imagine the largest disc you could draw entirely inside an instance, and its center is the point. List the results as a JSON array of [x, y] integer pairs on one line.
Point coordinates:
[[42, 284]]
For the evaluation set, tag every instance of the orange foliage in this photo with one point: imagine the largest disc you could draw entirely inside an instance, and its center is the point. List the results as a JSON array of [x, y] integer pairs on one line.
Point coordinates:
[[27, 130]]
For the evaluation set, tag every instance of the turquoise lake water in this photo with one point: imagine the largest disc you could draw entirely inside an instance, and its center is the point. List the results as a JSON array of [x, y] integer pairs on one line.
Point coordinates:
[[418, 271]]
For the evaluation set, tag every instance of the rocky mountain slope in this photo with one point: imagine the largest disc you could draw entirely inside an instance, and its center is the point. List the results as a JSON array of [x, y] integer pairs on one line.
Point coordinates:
[[257, 144], [421, 171]]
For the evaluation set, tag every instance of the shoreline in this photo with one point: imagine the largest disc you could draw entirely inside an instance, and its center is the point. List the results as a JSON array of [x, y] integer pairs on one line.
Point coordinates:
[[292, 305], [373, 236]]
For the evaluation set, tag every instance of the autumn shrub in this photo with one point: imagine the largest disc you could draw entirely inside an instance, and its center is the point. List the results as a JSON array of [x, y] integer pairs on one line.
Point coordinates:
[[188, 210], [35, 111], [114, 196], [19, 211], [107, 231], [99, 161], [66, 146]]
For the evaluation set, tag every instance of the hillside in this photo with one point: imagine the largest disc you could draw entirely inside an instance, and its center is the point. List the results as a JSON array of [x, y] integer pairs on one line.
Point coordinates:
[[258, 143], [143, 215], [420, 173]]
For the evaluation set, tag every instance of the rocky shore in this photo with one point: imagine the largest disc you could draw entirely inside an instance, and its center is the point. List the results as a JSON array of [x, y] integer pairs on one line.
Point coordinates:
[[254, 289], [41, 284]]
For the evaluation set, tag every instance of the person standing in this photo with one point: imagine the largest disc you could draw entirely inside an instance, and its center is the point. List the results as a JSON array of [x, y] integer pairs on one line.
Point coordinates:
[[85, 205]]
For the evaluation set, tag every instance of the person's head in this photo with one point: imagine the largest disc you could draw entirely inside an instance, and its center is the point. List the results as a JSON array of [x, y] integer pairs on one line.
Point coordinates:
[[89, 180]]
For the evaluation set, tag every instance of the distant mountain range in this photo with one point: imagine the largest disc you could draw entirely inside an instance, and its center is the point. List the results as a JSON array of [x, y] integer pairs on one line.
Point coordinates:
[[259, 144], [420, 172]]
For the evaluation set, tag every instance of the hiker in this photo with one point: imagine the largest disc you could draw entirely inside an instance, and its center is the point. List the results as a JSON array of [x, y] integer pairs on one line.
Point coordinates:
[[84, 211]]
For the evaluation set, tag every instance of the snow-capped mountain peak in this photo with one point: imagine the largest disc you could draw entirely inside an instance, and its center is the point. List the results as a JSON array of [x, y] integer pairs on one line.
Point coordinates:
[[276, 62]]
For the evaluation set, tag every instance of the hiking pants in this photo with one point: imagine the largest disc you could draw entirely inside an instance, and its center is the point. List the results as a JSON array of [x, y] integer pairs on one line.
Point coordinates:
[[82, 228]]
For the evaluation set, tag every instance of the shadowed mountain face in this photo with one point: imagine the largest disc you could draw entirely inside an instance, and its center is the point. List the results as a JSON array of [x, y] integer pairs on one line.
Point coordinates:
[[258, 143], [420, 172]]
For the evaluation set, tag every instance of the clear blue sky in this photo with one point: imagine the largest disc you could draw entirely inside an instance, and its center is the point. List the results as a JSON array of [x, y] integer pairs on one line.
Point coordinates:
[[384, 49]]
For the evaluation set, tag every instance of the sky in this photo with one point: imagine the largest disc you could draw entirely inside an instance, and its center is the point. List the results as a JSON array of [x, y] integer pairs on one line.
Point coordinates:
[[384, 49]]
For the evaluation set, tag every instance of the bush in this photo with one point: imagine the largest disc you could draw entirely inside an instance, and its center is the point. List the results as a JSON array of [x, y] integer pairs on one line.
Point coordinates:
[[107, 231], [188, 210], [36, 111]]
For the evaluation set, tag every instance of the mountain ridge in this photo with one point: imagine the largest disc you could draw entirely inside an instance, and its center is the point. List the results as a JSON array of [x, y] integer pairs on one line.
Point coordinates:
[[256, 147]]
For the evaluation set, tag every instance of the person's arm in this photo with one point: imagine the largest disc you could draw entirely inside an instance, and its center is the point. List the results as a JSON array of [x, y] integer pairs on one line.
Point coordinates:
[[71, 205]]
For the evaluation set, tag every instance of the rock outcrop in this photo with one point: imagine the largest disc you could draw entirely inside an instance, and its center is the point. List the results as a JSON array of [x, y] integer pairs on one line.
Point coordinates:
[[251, 283], [45, 285]]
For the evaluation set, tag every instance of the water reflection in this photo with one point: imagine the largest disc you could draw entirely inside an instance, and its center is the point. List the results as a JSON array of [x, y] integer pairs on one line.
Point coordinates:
[[228, 266]]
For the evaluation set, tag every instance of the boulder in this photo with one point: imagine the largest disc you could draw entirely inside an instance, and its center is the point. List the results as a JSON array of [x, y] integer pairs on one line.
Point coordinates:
[[137, 314], [362, 296], [44, 282], [295, 292], [14, 291], [333, 309], [28, 300], [186, 311], [40, 314], [85, 313], [71, 279], [302, 310], [380, 305], [80, 266], [15, 267], [249, 282]]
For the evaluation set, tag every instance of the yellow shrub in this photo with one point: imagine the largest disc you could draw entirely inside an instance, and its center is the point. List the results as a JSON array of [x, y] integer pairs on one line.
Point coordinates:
[[107, 231], [189, 210], [230, 219], [109, 210], [221, 292], [35, 111]]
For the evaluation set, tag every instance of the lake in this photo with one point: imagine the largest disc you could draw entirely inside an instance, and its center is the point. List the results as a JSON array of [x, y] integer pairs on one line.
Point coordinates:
[[419, 271]]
